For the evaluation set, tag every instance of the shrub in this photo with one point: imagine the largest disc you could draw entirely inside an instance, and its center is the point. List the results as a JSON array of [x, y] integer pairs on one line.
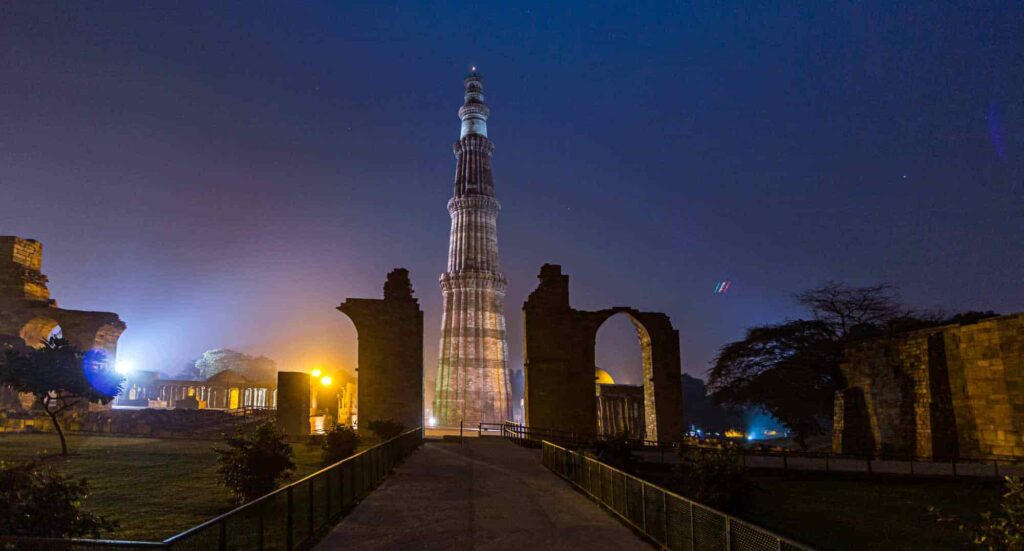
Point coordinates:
[[254, 463], [713, 477], [36, 500], [616, 452], [339, 443], [996, 531], [386, 430]]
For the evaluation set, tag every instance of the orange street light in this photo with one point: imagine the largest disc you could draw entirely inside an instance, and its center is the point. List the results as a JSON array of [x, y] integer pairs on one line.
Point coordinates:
[[325, 380], [315, 373]]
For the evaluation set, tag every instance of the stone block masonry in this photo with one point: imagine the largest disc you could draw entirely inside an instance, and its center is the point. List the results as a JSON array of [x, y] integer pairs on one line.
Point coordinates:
[[390, 332], [951, 391]]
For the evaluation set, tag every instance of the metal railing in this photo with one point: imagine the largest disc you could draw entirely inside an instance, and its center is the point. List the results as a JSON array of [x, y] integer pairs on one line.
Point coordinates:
[[787, 460], [670, 520], [291, 517]]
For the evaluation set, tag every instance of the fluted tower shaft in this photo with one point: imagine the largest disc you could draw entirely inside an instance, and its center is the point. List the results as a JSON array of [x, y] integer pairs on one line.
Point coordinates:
[[472, 375]]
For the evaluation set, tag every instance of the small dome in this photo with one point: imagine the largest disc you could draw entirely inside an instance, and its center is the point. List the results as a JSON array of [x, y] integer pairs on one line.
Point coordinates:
[[603, 377]]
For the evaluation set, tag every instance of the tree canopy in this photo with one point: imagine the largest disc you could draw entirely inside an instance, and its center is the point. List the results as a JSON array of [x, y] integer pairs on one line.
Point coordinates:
[[257, 368], [61, 377], [791, 369]]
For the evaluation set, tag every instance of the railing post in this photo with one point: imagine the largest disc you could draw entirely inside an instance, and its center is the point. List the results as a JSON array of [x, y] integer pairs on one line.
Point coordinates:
[[995, 465], [643, 503], [664, 515], [728, 534], [222, 536], [289, 522], [260, 536], [312, 507], [693, 535]]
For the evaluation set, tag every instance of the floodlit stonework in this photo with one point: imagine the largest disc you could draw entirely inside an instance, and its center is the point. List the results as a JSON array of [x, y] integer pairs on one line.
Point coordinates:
[[472, 378], [560, 344], [951, 391], [27, 313], [390, 353]]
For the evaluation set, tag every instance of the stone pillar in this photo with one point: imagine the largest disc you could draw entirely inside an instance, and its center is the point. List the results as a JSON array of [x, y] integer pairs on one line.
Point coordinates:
[[390, 385], [293, 403]]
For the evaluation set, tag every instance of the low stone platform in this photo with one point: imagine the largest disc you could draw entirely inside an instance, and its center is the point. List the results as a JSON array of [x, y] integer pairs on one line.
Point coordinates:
[[485, 493]]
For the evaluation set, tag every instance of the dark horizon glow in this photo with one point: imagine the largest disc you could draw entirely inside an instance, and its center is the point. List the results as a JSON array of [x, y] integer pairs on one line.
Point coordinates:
[[226, 175]]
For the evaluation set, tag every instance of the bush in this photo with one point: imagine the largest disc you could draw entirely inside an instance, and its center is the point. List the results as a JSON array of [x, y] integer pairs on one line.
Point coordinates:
[[713, 477], [386, 430], [339, 443], [254, 463], [617, 453], [36, 500], [998, 531]]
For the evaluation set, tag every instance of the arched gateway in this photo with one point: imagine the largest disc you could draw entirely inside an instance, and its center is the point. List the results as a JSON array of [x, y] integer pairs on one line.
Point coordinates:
[[559, 344], [27, 313]]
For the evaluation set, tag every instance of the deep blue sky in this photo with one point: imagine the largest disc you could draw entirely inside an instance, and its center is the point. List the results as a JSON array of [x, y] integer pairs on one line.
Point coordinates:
[[224, 175]]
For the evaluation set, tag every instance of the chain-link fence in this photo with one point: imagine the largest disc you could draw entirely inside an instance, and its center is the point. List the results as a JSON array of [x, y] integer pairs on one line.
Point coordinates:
[[671, 521], [292, 517]]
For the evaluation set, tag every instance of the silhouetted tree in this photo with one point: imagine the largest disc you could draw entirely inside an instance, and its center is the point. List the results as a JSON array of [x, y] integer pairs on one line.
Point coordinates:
[[61, 377], [791, 369], [36, 500]]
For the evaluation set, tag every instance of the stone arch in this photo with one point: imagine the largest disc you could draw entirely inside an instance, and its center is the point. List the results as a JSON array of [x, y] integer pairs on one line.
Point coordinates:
[[559, 352], [36, 330]]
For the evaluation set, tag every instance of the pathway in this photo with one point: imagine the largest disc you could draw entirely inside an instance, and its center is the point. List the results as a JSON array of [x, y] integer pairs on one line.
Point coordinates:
[[484, 494]]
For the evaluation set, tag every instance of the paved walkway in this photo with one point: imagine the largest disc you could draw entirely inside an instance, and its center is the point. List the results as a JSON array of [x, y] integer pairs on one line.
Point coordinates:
[[484, 494]]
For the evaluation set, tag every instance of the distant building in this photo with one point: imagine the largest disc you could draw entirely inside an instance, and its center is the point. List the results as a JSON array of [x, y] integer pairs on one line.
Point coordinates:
[[620, 408], [225, 390]]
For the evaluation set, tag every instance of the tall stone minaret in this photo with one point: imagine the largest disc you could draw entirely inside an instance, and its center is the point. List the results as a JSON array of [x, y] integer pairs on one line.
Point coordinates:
[[472, 371]]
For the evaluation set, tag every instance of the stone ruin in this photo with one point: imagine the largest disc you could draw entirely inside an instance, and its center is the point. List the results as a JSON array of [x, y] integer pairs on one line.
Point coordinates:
[[390, 333], [560, 343], [28, 315], [942, 392]]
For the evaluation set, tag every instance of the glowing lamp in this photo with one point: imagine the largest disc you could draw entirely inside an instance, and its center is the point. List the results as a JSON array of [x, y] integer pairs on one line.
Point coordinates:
[[123, 366], [431, 421], [316, 373], [325, 380]]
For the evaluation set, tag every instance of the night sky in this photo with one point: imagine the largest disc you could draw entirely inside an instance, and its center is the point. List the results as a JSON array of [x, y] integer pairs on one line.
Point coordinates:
[[225, 175]]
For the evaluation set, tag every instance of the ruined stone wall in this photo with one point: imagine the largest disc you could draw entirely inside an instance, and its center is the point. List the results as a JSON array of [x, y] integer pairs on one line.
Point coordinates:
[[390, 373], [559, 347], [947, 391], [20, 263]]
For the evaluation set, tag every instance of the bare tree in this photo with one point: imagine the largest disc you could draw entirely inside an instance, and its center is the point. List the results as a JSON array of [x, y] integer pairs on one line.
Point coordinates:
[[843, 307]]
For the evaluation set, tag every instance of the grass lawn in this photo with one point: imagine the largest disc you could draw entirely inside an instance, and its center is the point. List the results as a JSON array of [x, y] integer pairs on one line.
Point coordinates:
[[868, 513], [153, 488], [857, 512]]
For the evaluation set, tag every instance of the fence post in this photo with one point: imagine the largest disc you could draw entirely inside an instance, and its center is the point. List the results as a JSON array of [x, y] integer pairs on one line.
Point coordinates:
[[728, 534], [693, 535], [259, 540], [312, 506], [289, 522], [995, 465], [664, 515], [643, 505], [222, 536]]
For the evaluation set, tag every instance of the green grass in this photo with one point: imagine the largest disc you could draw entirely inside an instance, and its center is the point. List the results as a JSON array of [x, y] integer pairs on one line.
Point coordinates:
[[153, 488], [830, 512]]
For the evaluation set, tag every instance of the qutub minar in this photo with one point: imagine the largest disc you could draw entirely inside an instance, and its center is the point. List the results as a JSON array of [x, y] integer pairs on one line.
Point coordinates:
[[472, 376]]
